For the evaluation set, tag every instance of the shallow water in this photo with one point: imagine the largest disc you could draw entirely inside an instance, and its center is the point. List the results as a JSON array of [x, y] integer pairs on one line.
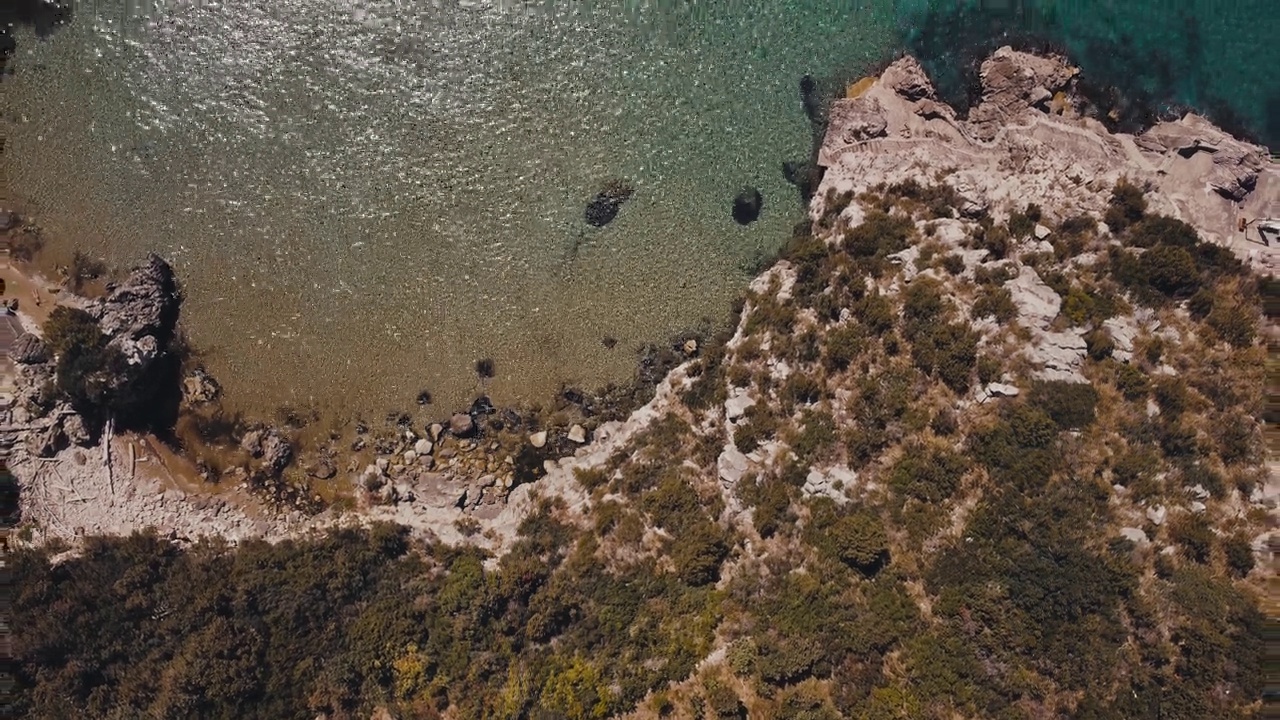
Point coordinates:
[[364, 197], [363, 202]]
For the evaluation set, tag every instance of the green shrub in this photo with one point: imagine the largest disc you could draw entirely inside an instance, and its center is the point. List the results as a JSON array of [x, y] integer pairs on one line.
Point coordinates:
[[948, 349], [1070, 405], [1156, 230], [1192, 533], [995, 302], [757, 426], [875, 312], [1078, 306], [843, 345], [1233, 323], [1132, 382], [1200, 304], [68, 327], [928, 473], [878, 235], [860, 541], [1022, 224], [953, 264], [815, 438], [699, 552], [801, 389], [1170, 270], [1239, 554], [1099, 344], [1127, 206]]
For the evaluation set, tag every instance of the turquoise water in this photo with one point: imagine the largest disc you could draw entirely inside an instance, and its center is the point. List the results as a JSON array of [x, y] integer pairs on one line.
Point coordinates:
[[364, 196]]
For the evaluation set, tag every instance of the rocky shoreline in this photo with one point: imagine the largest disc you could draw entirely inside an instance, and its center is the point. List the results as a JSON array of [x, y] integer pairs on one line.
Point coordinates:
[[472, 477]]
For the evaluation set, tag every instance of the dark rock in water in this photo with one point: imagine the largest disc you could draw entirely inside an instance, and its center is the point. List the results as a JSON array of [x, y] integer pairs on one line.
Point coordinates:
[[604, 207], [810, 98], [29, 350], [270, 446], [481, 406], [484, 368], [8, 220], [609, 342], [424, 397], [747, 206], [805, 176]]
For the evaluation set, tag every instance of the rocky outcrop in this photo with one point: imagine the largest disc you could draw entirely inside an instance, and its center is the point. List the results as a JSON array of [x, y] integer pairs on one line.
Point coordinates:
[[1014, 83], [271, 447], [1027, 140], [29, 350]]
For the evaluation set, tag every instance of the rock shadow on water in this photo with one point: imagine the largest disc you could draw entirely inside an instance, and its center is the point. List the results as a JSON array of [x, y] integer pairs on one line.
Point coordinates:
[[41, 16], [606, 204]]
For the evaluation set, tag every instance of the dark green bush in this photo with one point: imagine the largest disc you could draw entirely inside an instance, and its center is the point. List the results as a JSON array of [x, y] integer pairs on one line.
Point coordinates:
[[1132, 382], [875, 312], [68, 327], [860, 541], [948, 349], [1192, 533], [843, 345], [1127, 206], [1233, 323], [995, 302], [878, 235], [757, 426], [1156, 230], [930, 474], [1099, 344], [1070, 405], [698, 553]]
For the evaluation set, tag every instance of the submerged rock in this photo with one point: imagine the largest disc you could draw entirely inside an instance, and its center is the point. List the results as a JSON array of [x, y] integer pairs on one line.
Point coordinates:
[[604, 207], [747, 206]]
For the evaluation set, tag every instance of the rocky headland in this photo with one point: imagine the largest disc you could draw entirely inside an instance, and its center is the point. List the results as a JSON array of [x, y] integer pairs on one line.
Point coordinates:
[[988, 440], [1025, 143]]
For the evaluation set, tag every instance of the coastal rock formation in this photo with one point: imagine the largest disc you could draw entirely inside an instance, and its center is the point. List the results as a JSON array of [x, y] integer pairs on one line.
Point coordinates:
[[1027, 141]]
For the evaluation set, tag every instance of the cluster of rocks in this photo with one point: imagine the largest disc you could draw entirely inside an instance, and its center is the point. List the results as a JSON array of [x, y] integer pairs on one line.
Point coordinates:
[[1027, 139]]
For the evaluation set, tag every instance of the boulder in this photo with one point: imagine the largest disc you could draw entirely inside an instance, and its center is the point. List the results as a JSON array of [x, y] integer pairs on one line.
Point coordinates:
[[604, 207], [538, 439], [1135, 536], [8, 220], [423, 447], [747, 206], [1236, 164], [271, 447], [1013, 83], [1060, 355], [1001, 390], [461, 425], [578, 434], [145, 304], [29, 350], [199, 387], [731, 465], [1157, 514], [1037, 303], [907, 78], [77, 433]]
